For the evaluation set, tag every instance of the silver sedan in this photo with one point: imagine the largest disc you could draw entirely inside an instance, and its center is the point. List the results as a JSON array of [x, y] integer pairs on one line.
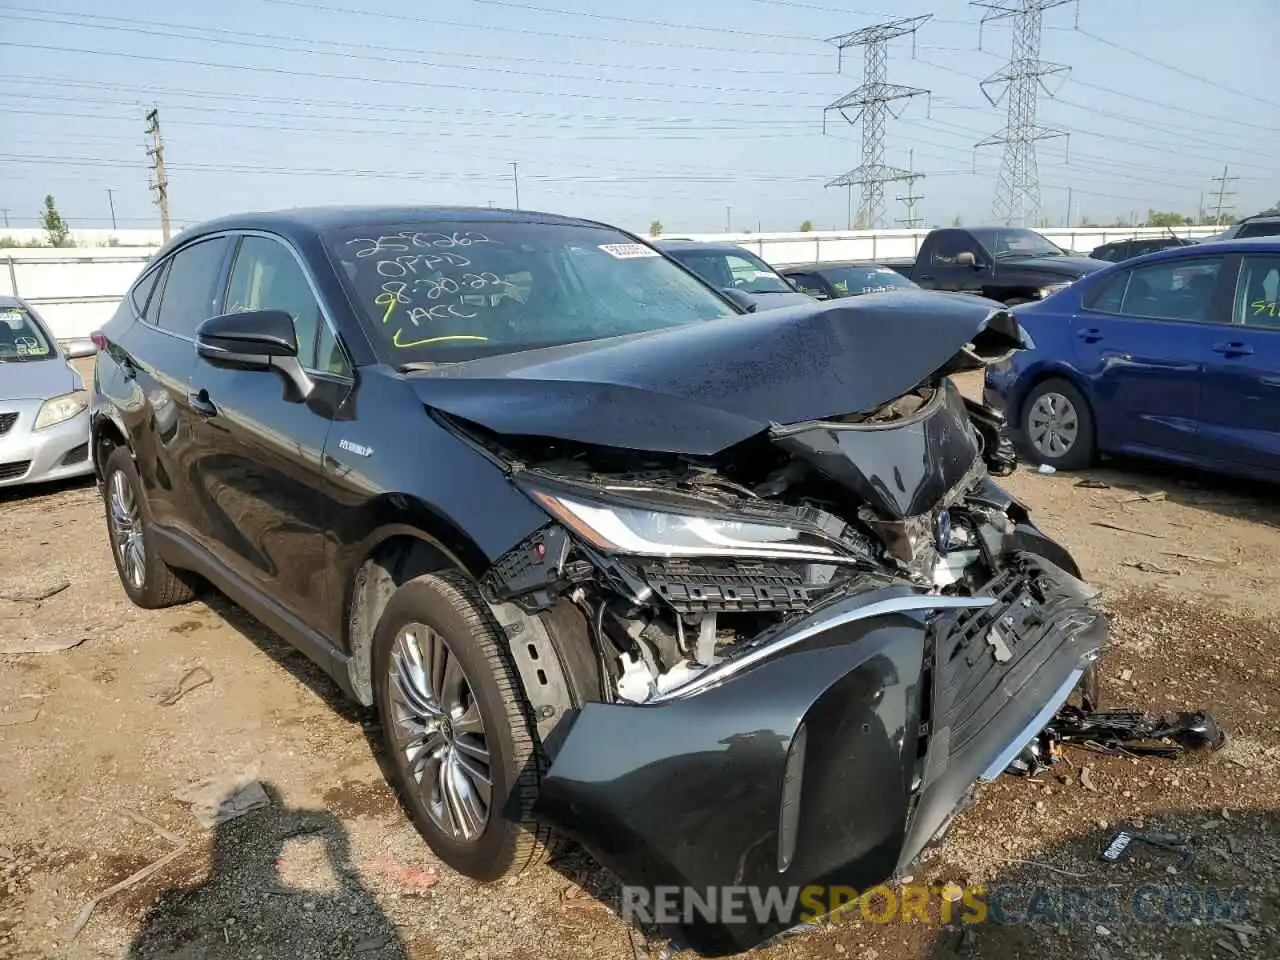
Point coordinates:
[[44, 418]]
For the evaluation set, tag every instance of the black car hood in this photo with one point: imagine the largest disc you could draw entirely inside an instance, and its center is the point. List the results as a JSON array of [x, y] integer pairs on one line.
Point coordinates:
[[699, 388], [1073, 267]]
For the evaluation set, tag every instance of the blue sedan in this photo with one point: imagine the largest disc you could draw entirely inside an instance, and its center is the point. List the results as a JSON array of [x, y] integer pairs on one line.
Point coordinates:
[[1174, 355]]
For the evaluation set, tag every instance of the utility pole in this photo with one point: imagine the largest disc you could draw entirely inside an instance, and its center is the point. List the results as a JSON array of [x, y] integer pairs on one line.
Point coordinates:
[[111, 200], [1223, 193], [1070, 200], [875, 100], [159, 182], [1017, 197], [5, 211], [515, 181], [911, 221], [728, 223]]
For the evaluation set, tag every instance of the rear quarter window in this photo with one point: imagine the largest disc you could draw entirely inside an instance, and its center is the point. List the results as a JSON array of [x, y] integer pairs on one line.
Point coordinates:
[[1107, 296]]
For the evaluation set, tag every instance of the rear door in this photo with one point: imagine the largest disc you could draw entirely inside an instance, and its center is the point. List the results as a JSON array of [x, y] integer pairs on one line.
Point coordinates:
[[1143, 344], [1240, 418], [171, 301], [263, 495]]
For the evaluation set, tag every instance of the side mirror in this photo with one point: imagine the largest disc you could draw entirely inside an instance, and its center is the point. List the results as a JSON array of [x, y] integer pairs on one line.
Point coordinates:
[[256, 340], [966, 259], [740, 299], [78, 348]]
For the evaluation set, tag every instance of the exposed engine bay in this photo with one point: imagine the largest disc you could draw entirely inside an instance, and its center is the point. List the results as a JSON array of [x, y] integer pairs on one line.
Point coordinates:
[[901, 494]]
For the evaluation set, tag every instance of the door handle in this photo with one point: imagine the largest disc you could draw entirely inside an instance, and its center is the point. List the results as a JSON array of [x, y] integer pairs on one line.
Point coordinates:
[[1233, 348], [201, 404], [1090, 335], [925, 276]]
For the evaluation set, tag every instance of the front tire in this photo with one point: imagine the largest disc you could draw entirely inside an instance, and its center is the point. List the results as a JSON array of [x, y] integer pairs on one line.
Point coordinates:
[[147, 579], [462, 749], [1057, 426]]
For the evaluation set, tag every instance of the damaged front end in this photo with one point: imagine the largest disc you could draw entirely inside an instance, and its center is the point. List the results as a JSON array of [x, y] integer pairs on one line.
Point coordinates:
[[788, 662]]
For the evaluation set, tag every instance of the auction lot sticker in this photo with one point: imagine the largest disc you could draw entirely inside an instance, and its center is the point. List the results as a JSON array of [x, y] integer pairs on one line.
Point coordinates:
[[628, 251]]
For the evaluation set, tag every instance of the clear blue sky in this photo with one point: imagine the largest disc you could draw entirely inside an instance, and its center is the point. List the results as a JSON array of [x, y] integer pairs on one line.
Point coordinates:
[[276, 103]]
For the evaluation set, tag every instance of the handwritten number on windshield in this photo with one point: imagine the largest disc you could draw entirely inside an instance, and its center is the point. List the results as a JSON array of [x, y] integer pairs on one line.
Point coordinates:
[[407, 240]]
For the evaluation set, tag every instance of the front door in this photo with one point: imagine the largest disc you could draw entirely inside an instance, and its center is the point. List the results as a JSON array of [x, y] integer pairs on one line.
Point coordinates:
[[1142, 344], [1240, 419], [261, 485]]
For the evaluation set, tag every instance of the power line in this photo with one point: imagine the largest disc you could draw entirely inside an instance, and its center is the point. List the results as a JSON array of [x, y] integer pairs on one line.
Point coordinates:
[[874, 100], [281, 43], [461, 24], [1181, 71], [1017, 196], [392, 81]]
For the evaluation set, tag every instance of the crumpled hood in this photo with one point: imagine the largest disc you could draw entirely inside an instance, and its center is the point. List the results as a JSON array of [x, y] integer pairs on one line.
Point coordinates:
[[1068, 267], [36, 379], [699, 388]]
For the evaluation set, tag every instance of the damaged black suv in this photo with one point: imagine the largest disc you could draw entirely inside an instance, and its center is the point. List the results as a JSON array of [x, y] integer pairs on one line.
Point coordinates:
[[730, 599]]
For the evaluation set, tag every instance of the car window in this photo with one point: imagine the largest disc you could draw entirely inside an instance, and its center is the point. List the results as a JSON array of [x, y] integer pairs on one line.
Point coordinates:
[[859, 280], [187, 299], [755, 276], [1108, 295], [807, 283], [1266, 228], [267, 276], [21, 337], [951, 243], [142, 290], [1109, 251], [1257, 301], [431, 291], [1172, 290]]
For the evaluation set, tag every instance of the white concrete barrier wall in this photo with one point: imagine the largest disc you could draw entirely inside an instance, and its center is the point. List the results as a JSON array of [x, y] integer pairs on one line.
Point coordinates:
[[77, 289]]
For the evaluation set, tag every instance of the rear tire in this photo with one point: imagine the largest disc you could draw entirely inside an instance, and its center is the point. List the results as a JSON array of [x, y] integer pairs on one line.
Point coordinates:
[[1056, 426], [454, 718], [147, 579]]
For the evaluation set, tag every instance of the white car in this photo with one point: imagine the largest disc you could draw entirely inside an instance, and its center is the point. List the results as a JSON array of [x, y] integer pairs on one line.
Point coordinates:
[[44, 415]]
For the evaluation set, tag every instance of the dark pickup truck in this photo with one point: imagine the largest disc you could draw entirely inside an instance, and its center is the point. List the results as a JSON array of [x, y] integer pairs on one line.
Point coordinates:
[[1010, 264]]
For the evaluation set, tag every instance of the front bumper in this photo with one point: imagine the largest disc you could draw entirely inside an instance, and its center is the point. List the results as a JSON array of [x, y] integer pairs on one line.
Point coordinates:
[[834, 761], [36, 456]]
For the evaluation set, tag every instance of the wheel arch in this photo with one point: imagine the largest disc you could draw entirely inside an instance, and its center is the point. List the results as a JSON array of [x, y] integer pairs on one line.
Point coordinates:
[[403, 547], [105, 434]]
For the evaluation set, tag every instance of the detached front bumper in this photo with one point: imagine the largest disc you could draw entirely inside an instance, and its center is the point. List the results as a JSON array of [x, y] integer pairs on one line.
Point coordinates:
[[53, 453], [832, 758]]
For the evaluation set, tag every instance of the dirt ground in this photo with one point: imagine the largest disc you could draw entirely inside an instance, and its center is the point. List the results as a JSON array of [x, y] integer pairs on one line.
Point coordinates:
[[94, 762]]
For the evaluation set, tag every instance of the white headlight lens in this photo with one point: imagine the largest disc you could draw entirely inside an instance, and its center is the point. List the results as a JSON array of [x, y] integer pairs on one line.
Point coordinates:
[[1052, 289], [60, 409], [633, 530]]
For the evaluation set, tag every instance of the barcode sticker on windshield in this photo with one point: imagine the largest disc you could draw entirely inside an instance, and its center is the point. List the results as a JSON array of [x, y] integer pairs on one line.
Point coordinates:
[[628, 251]]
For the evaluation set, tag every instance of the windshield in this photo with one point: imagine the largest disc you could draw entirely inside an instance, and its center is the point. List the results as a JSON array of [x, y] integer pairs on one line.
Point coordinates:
[[21, 337], [442, 292], [739, 269], [1006, 244], [855, 281]]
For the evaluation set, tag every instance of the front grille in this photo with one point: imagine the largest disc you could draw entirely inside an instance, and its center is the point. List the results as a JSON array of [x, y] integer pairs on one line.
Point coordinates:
[[11, 471], [709, 587], [7, 420], [76, 455]]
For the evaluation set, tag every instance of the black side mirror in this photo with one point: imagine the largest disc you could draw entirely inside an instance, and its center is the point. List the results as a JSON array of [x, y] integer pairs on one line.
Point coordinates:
[[743, 300], [256, 340], [966, 259]]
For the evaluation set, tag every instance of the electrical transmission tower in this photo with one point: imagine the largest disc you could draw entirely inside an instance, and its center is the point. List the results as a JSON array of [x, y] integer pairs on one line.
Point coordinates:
[[159, 182], [875, 100], [911, 221], [1017, 197], [1223, 193]]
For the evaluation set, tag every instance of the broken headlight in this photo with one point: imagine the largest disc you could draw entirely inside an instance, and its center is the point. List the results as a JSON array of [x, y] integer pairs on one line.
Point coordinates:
[[643, 531]]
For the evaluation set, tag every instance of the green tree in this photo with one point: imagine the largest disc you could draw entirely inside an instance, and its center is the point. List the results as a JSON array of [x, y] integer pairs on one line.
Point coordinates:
[[956, 221], [57, 230], [655, 228], [1157, 219], [1272, 211], [806, 227]]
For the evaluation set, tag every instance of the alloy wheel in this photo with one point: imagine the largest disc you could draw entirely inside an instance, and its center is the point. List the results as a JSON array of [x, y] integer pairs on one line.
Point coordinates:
[[438, 729], [1053, 425], [126, 531]]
